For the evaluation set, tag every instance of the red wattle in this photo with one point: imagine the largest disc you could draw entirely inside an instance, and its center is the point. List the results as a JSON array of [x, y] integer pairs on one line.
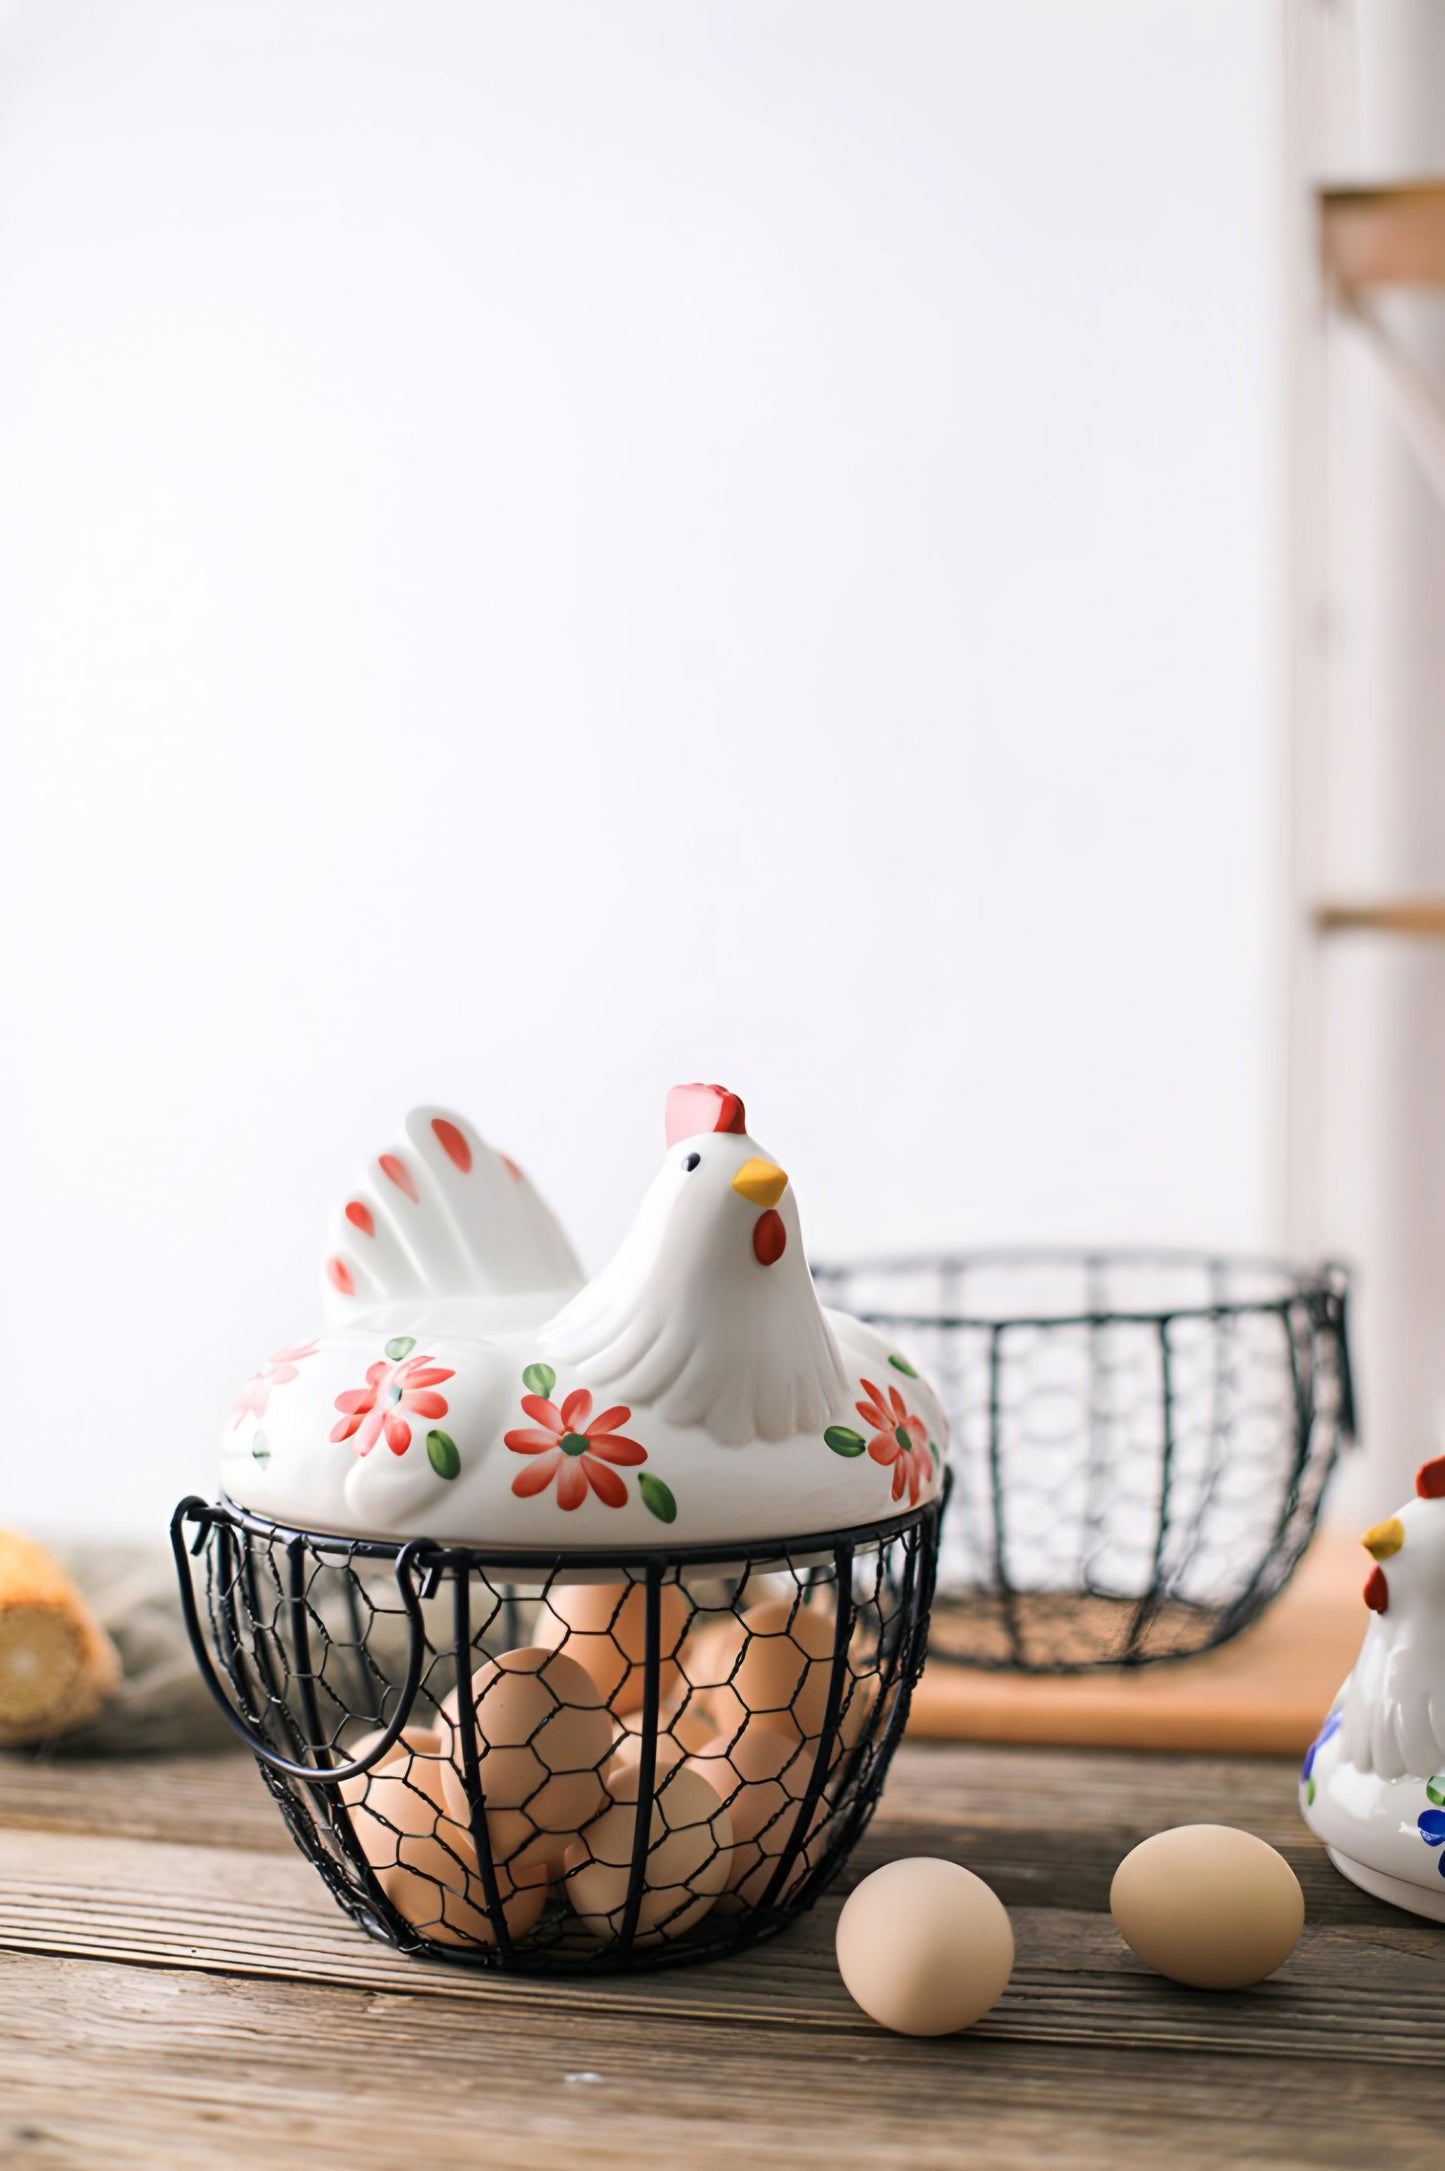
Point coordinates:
[[770, 1238], [1377, 1591]]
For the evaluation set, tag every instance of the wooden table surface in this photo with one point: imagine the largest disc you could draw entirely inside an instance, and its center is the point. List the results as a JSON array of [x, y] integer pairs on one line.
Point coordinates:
[[176, 1989]]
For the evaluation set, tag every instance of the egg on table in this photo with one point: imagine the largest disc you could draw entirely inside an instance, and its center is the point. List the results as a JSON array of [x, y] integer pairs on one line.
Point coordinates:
[[1208, 1905], [924, 1946]]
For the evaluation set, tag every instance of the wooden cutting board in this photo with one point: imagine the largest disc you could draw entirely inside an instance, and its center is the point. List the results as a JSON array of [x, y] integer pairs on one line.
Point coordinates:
[[1265, 1693]]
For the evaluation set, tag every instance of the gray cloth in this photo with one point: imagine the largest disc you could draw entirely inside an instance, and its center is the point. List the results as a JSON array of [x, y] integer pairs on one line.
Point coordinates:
[[161, 1704]]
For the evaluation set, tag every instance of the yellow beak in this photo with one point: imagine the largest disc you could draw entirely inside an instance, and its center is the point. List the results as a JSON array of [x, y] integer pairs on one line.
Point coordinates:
[[1384, 1539], [763, 1182]]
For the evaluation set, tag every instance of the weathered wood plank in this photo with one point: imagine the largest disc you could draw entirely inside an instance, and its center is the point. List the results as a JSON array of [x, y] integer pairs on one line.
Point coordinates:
[[1047, 1828], [133, 2067], [179, 1990], [220, 1801], [227, 1912], [208, 1801]]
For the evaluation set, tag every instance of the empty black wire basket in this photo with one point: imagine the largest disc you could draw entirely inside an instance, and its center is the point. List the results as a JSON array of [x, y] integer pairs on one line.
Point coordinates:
[[1140, 1442], [560, 1764]]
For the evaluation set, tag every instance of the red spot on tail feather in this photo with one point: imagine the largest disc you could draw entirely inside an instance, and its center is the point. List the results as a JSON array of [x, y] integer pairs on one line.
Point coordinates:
[[340, 1273], [453, 1144], [358, 1213], [393, 1166]]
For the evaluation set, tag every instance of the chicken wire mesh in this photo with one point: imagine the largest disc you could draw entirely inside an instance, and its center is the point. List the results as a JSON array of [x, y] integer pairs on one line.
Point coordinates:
[[560, 1766], [1139, 1448]]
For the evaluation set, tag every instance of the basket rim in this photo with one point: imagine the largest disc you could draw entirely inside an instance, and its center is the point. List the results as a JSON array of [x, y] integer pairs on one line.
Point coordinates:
[[1327, 1281], [428, 1554]]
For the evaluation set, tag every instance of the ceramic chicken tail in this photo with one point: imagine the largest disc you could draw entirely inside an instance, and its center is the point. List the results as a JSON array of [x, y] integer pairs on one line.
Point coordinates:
[[441, 1214]]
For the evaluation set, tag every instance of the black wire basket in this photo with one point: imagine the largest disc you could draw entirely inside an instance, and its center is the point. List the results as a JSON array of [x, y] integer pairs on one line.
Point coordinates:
[[569, 1763], [1140, 1442]]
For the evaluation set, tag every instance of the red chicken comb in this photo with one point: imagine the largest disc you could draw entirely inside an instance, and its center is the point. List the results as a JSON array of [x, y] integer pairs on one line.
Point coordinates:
[[1430, 1479], [692, 1109]]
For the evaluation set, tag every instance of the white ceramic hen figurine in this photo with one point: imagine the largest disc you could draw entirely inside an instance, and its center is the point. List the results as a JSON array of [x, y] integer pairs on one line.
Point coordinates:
[[1373, 1784], [470, 1390]]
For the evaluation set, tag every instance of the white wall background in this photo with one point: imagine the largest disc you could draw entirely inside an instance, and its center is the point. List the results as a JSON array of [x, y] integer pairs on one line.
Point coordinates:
[[550, 547], [1376, 1188]]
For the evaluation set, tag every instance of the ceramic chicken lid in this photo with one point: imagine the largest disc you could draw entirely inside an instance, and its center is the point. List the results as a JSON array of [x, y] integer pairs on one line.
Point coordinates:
[[471, 1387], [1373, 1784]]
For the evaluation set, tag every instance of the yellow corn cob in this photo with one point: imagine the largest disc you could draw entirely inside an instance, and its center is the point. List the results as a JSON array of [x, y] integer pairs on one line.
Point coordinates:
[[57, 1665]]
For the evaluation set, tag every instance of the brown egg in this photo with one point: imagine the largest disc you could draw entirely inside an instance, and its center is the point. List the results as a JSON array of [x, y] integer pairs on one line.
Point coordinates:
[[924, 1946], [860, 1697], [1208, 1905], [709, 1649], [424, 1861], [413, 1741], [543, 1736], [761, 1776], [704, 1658], [688, 1861], [693, 1723], [779, 1660], [604, 1627], [621, 1775]]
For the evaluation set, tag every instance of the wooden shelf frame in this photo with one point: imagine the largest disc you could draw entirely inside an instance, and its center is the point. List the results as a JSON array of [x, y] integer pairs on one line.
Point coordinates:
[[1388, 236], [1404, 916]]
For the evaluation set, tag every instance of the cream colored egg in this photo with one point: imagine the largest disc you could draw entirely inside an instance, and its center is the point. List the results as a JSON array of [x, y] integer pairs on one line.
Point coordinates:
[[424, 1861], [924, 1946], [542, 1737], [604, 1627], [762, 1776], [689, 1857], [1208, 1905]]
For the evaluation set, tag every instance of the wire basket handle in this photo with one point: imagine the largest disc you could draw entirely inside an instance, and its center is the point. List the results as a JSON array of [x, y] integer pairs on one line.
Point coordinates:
[[194, 1509]]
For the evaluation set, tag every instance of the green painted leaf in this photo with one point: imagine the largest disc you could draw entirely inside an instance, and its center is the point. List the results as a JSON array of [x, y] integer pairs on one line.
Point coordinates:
[[441, 1453], [539, 1379], [1310, 1791], [261, 1449], [656, 1498], [401, 1345], [1435, 1788], [843, 1441], [933, 1451], [901, 1364]]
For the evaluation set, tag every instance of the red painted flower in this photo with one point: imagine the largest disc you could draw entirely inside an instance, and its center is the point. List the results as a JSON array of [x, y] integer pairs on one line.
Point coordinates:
[[573, 1450], [393, 1395], [899, 1439], [275, 1372]]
